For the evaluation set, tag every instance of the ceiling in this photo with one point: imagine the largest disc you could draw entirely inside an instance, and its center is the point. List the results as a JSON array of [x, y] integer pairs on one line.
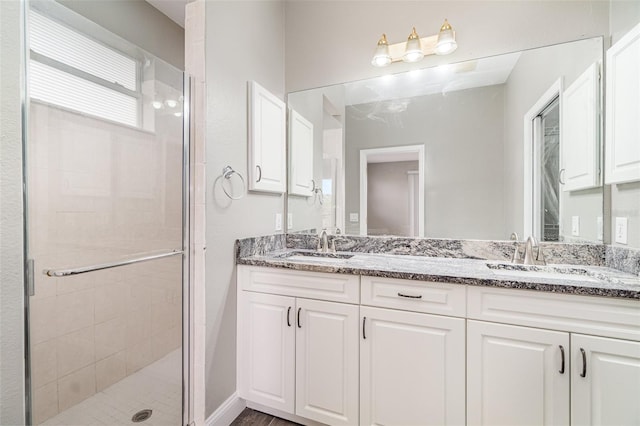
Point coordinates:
[[174, 9]]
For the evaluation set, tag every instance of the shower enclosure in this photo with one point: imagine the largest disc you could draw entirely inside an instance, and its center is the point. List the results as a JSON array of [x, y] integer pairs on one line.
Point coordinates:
[[106, 172]]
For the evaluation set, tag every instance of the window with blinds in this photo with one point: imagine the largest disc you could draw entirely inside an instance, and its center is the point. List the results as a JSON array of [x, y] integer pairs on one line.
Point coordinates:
[[76, 72]]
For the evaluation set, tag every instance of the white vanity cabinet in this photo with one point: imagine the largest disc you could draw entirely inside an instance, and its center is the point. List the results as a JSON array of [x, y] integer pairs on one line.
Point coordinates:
[[544, 370], [516, 375], [412, 363], [297, 354], [605, 381]]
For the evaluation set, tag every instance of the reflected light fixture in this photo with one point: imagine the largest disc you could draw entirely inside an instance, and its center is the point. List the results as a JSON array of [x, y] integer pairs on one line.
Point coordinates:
[[171, 103], [415, 48], [446, 40], [156, 104]]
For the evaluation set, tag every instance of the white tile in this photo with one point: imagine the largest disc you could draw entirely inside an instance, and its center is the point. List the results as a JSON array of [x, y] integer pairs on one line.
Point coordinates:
[[75, 350], [76, 387], [74, 311], [43, 319], [45, 402], [139, 356], [110, 337], [44, 363], [166, 342], [109, 301], [110, 370]]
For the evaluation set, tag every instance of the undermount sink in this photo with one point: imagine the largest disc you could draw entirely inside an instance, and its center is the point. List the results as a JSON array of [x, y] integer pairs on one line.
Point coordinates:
[[316, 256], [536, 271]]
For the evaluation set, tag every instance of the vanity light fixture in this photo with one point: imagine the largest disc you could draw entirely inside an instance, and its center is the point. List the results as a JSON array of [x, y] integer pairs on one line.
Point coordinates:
[[415, 47], [171, 103], [156, 104]]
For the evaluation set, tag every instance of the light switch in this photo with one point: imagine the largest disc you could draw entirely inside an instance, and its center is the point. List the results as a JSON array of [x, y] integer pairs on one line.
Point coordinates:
[[353, 217], [278, 221], [289, 220], [600, 224], [621, 230], [575, 226]]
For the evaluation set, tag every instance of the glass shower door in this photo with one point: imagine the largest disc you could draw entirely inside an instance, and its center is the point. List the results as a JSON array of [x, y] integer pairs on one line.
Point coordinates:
[[105, 171]]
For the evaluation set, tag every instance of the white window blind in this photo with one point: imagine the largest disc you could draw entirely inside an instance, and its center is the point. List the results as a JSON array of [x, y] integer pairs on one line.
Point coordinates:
[[76, 72]]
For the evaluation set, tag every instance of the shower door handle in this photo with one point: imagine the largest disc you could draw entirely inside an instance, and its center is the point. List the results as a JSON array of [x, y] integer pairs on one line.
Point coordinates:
[[98, 267]]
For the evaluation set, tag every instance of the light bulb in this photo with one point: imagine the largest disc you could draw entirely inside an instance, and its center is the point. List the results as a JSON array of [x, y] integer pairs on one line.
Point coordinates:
[[177, 114], [413, 51], [171, 103], [381, 57], [156, 104]]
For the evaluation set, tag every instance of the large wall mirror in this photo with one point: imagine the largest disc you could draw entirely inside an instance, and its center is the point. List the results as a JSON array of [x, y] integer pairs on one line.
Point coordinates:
[[471, 150]]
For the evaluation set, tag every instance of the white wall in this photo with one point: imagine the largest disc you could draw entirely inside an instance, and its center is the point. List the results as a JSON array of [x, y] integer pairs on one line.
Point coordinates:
[[625, 198], [11, 290], [330, 42], [462, 133], [138, 22], [256, 53], [532, 76]]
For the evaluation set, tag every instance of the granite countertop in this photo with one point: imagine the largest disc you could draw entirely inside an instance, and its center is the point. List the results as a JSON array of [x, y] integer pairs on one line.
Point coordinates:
[[567, 279]]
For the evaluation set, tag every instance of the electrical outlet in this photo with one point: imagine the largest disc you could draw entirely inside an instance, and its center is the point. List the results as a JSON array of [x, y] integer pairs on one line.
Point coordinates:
[[575, 226], [289, 220], [621, 230], [353, 217], [600, 224], [278, 221]]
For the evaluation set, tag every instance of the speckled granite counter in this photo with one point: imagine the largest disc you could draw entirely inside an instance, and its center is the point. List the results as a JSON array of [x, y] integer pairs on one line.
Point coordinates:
[[575, 279]]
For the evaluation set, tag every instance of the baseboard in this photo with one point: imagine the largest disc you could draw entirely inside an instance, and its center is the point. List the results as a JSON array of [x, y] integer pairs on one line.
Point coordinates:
[[227, 412]]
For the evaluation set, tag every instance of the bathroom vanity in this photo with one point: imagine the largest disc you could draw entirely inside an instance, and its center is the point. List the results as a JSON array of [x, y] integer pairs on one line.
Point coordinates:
[[369, 338]]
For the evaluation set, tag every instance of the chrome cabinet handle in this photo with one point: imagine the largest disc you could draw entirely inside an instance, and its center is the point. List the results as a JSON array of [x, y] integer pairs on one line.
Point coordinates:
[[584, 363], [299, 325], [561, 176], [289, 317], [364, 333], [259, 169], [410, 296], [313, 185], [561, 371]]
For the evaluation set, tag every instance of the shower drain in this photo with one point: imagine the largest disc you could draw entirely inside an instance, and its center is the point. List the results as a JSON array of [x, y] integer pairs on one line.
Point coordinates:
[[141, 416]]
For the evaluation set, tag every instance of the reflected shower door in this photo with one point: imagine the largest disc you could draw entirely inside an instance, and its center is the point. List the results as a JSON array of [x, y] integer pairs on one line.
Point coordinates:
[[105, 172]]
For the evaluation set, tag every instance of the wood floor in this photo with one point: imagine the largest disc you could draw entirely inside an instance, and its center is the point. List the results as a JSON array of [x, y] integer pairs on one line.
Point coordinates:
[[253, 417]]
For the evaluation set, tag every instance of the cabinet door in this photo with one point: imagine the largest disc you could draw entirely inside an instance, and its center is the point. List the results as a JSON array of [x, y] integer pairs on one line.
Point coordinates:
[[266, 345], [327, 362], [623, 109], [579, 128], [412, 369], [267, 134], [301, 152], [609, 392], [515, 375]]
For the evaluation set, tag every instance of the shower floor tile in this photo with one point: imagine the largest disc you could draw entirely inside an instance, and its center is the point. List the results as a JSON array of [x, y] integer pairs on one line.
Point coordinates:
[[157, 387]]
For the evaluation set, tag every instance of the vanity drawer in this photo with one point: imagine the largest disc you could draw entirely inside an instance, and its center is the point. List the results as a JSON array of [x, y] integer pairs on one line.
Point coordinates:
[[418, 296], [604, 316], [312, 285]]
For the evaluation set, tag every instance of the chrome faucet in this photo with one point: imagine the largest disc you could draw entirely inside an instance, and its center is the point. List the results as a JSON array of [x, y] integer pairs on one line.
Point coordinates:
[[323, 242], [529, 258]]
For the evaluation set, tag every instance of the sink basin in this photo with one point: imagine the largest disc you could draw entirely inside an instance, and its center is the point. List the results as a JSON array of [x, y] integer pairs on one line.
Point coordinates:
[[566, 273]]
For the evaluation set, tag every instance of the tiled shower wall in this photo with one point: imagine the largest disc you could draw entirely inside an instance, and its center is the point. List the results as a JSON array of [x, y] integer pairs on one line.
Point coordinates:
[[98, 192]]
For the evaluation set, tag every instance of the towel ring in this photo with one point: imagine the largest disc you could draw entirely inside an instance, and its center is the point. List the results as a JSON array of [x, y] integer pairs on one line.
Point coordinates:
[[227, 173]]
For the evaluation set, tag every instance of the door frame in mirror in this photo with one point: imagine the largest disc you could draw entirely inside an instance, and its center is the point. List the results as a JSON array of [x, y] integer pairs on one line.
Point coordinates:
[[365, 155], [531, 191]]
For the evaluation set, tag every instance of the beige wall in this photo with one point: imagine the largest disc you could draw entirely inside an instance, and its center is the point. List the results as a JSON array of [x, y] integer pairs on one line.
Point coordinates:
[[256, 53], [11, 260], [625, 198], [138, 22]]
